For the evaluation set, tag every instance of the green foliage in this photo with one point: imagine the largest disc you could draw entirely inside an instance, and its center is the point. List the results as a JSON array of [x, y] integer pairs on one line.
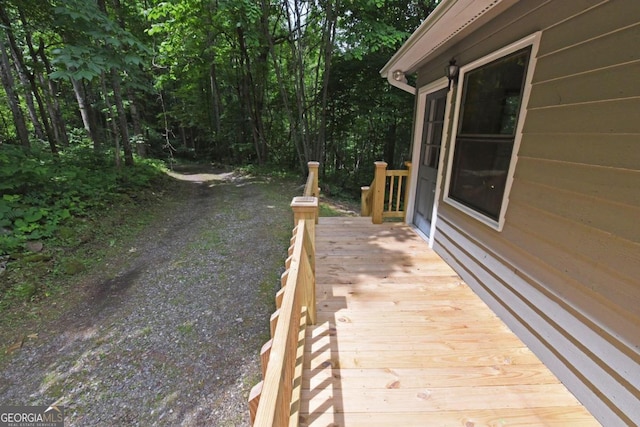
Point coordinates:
[[23, 291], [234, 81], [271, 169], [41, 192], [328, 210], [93, 42], [371, 26]]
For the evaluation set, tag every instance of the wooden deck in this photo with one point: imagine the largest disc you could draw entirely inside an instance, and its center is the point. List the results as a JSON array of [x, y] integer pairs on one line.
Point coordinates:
[[401, 341]]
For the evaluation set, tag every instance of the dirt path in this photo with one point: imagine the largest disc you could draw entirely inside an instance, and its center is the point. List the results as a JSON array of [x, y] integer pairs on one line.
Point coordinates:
[[172, 335]]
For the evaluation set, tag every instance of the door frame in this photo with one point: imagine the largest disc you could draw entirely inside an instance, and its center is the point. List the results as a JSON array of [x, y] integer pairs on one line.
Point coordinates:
[[421, 102]]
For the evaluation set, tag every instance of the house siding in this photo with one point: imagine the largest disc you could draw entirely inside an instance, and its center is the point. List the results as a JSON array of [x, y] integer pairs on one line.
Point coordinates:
[[564, 273]]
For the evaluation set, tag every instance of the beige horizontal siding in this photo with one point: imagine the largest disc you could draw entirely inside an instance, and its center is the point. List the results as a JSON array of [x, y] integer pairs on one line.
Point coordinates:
[[581, 352], [521, 20], [617, 221], [615, 116], [607, 266], [607, 183], [619, 151], [527, 250], [611, 83], [592, 21], [604, 51], [565, 270]]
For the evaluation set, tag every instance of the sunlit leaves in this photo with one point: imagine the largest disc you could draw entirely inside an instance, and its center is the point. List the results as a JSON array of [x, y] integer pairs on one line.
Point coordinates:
[[93, 42]]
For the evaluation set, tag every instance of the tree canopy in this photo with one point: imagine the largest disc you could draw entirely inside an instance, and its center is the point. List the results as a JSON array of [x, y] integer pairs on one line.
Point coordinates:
[[232, 81]]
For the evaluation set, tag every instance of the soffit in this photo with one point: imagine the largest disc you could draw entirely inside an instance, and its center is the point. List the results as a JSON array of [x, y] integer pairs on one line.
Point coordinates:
[[451, 21]]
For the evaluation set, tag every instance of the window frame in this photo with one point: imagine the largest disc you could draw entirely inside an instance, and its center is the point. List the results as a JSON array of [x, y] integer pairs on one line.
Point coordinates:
[[533, 41]]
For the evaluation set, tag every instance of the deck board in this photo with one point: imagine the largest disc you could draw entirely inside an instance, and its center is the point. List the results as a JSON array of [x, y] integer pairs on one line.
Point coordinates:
[[401, 340]]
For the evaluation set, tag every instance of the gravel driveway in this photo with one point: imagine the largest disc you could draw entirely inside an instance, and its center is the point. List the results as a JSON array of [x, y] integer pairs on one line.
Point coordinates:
[[171, 336]]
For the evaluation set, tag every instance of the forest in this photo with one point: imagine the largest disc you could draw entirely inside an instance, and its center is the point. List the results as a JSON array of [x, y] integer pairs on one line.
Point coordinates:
[[97, 92]]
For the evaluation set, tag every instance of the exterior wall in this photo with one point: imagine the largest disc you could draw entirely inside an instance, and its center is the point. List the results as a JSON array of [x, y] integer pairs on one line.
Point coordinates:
[[564, 273]]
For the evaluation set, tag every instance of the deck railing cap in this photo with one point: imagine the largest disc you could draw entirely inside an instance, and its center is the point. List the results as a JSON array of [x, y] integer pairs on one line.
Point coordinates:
[[302, 201]]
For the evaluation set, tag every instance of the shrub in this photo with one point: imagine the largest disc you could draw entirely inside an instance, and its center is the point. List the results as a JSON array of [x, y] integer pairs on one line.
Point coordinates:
[[40, 192]]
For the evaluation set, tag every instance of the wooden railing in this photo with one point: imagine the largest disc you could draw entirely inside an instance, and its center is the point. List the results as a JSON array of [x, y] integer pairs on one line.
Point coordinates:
[[311, 188], [387, 195], [275, 401]]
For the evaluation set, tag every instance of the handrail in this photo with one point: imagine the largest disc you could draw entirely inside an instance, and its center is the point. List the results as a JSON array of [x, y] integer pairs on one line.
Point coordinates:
[[275, 401], [386, 190], [311, 188], [308, 187], [366, 199]]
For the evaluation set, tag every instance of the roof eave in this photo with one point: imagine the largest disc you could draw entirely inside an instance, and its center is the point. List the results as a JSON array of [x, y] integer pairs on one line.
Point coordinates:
[[448, 23]]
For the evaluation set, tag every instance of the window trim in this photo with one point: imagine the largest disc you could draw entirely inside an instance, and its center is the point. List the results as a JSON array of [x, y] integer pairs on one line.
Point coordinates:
[[532, 40]]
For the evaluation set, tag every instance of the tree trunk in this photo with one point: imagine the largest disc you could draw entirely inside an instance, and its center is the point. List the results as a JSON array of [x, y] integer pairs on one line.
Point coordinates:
[[259, 83], [136, 124], [28, 97], [5, 123], [86, 113], [135, 114], [17, 52], [248, 97], [215, 115], [117, 6], [183, 137], [300, 85], [329, 36], [57, 121], [294, 131], [12, 96], [215, 98], [122, 118], [117, 91], [112, 120]]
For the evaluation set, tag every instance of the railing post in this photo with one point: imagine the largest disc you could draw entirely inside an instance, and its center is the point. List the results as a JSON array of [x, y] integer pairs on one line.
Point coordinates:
[[378, 192], [365, 209], [306, 208], [313, 167]]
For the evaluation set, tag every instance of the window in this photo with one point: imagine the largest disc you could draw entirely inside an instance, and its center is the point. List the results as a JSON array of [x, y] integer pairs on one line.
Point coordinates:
[[432, 131], [489, 106]]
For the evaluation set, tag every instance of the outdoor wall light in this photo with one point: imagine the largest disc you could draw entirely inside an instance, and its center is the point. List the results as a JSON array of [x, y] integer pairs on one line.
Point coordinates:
[[398, 76], [452, 71]]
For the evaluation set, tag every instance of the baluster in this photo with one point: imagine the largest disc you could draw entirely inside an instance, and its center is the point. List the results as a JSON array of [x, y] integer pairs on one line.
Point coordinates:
[[399, 194], [391, 185]]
